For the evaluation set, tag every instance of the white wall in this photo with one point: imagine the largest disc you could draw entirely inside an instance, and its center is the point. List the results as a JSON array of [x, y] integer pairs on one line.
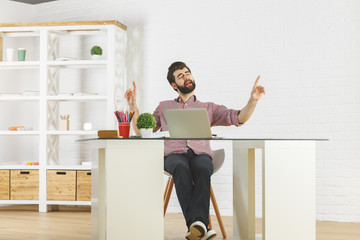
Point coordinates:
[[15, 12], [307, 53]]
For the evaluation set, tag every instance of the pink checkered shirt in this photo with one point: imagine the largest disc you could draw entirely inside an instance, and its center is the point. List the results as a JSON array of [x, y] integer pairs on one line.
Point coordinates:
[[219, 115]]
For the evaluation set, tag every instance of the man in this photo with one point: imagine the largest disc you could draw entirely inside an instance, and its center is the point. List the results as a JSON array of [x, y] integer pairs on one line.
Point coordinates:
[[189, 161]]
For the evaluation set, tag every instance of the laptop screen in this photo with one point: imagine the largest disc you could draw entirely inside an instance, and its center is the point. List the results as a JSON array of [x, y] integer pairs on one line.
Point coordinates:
[[188, 123]]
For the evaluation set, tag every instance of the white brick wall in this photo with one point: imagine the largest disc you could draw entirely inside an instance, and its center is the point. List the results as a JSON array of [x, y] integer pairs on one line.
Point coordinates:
[[307, 53], [15, 12]]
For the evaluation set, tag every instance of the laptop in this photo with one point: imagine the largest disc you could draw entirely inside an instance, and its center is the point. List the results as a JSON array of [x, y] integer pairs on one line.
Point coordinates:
[[188, 123]]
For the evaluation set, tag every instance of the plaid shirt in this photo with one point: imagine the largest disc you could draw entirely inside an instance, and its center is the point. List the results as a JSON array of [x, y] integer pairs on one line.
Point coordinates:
[[219, 115]]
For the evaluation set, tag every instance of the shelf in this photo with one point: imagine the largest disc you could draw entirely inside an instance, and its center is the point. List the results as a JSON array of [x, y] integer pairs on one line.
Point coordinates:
[[62, 78], [80, 32], [67, 167], [79, 203], [21, 34], [86, 32], [78, 63], [65, 25], [20, 202], [20, 65], [52, 167], [25, 132], [76, 98], [18, 98], [68, 64], [72, 132], [24, 167]]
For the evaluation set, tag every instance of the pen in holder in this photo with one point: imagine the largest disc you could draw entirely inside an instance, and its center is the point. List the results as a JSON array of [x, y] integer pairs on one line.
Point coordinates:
[[64, 123], [124, 120]]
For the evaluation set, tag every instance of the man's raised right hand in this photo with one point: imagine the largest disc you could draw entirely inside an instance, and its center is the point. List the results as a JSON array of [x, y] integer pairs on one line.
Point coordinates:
[[130, 96]]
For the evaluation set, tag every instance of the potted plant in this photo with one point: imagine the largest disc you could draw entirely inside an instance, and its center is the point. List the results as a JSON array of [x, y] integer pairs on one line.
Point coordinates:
[[96, 52], [146, 123]]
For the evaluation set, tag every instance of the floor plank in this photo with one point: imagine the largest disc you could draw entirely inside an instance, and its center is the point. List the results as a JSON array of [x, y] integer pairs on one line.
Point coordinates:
[[75, 224], [32, 225]]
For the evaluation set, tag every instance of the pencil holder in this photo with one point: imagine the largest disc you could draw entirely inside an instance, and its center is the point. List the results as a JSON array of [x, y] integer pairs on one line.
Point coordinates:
[[64, 125], [124, 130]]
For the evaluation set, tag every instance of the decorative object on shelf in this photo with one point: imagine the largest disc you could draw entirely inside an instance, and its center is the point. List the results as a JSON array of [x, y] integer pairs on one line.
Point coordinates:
[[86, 164], [124, 120], [32, 163], [96, 52], [15, 128], [10, 54], [21, 54], [87, 126], [146, 123], [64, 122], [24, 129]]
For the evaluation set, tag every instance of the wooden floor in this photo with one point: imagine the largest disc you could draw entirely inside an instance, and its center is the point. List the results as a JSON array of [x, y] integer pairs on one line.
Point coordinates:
[[74, 224]]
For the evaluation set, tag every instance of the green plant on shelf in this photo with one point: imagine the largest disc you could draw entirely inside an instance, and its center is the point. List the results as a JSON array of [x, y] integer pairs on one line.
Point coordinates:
[[96, 50], [64, 117]]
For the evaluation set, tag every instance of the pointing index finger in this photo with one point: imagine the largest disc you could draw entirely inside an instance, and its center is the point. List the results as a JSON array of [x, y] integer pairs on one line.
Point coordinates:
[[134, 84], [257, 81]]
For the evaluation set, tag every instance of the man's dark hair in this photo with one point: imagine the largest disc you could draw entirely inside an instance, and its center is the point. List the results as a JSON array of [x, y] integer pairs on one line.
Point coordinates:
[[173, 67]]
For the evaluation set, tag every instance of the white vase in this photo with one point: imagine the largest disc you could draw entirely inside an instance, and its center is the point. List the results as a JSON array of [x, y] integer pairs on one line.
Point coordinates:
[[146, 133], [95, 57], [10, 54]]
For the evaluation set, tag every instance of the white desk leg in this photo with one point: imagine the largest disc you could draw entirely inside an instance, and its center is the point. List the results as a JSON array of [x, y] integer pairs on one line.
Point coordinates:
[[289, 190], [98, 208], [243, 192], [134, 189]]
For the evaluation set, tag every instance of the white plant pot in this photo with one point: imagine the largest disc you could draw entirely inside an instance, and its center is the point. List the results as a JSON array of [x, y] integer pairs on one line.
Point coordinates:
[[95, 57], [146, 133]]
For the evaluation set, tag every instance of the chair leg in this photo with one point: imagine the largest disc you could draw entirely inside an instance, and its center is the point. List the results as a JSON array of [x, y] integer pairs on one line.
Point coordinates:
[[216, 208], [168, 193], [210, 225], [166, 188]]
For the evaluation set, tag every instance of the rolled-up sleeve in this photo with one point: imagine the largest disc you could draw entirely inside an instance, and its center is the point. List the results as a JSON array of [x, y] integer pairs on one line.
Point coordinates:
[[222, 116], [156, 114]]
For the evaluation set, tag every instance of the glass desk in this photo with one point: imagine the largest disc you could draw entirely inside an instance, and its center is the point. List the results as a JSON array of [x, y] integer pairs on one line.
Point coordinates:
[[127, 188]]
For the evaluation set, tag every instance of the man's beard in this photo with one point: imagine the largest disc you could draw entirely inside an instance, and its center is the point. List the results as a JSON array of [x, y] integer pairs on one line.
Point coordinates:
[[185, 89]]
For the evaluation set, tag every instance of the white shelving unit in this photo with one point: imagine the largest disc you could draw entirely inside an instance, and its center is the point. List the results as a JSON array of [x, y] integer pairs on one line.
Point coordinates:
[[105, 78]]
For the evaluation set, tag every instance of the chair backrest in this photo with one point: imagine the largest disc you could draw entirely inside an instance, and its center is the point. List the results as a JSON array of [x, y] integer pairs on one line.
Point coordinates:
[[218, 159]]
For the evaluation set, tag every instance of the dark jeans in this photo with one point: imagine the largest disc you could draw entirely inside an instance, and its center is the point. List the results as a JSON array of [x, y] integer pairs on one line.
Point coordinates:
[[191, 174]]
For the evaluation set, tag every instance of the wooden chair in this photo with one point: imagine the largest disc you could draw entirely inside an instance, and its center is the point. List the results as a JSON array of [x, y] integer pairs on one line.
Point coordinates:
[[218, 160]]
